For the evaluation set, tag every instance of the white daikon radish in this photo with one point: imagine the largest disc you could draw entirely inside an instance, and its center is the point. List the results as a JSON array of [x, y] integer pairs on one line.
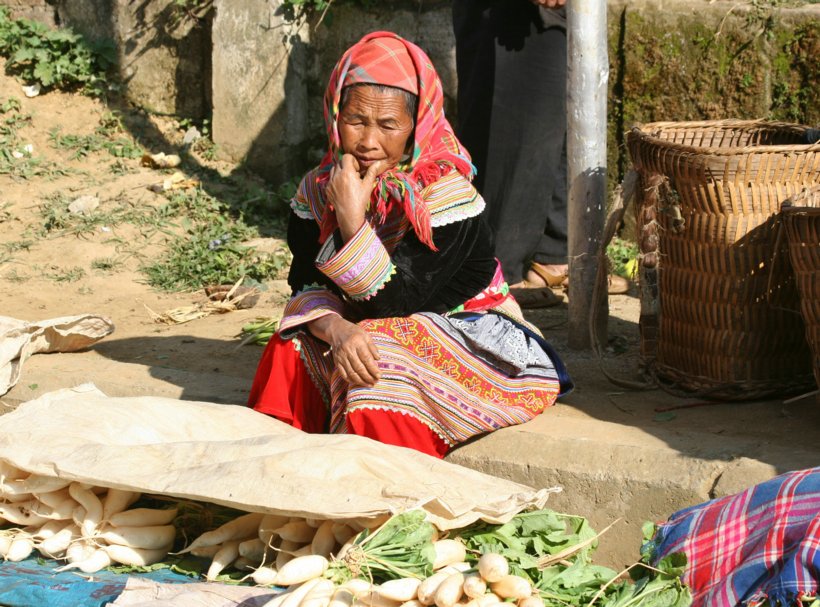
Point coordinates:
[[206, 551], [534, 600], [61, 511], [303, 551], [244, 564], [491, 598], [401, 590], [253, 549], [374, 599], [268, 526], [296, 531], [99, 559], [22, 514], [492, 567], [342, 597], [512, 587], [56, 545], [10, 472], [358, 587], [240, 528], [264, 576], [48, 529], [153, 537], [280, 598], [323, 540], [136, 557], [450, 590], [313, 522], [226, 555], [429, 586], [20, 548], [20, 497], [320, 594], [34, 483], [300, 592], [285, 553], [79, 551], [448, 552], [143, 517], [93, 507], [342, 533], [117, 500], [301, 569], [53, 498], [474, 586], [5, 544], [412, 603]]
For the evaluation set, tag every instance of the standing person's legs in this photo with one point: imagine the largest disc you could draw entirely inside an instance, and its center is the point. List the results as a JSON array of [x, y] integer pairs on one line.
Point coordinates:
[[475, 65], [524, 177]]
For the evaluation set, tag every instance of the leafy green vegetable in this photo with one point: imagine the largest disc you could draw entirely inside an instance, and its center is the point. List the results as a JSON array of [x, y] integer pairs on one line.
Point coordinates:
[[402, 547], [554, 551]]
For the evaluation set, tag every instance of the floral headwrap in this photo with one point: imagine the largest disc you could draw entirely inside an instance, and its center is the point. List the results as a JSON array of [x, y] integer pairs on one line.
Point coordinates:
[[387, 59]]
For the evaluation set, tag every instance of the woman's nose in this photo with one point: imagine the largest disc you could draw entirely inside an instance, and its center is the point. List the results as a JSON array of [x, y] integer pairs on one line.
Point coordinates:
[[369, 138]]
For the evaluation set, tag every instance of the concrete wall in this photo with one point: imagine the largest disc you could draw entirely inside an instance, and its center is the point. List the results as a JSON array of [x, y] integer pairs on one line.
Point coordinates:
[[670, 60], [164, 54]]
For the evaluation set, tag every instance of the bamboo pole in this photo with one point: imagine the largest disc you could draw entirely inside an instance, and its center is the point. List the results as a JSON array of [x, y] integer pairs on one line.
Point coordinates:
[[588, 75]]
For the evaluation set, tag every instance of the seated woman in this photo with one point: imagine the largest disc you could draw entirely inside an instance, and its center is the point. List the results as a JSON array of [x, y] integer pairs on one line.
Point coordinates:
[[401, 327]]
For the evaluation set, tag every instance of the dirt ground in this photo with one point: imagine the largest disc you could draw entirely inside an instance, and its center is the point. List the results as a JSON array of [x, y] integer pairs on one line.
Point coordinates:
[[43, 276]]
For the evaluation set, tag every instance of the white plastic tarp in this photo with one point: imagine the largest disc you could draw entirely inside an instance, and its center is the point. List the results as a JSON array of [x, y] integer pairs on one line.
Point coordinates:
[[234, 456]]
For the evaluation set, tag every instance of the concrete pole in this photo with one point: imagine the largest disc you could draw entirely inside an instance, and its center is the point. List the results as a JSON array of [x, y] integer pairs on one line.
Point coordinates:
[[588, 75]]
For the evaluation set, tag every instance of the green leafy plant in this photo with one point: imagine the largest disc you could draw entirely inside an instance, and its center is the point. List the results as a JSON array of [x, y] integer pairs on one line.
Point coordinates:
[[623, 257], [54, 58], [211, 250]]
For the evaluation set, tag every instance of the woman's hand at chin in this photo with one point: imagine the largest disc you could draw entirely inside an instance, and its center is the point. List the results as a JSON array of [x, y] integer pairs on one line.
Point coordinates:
[[348, 192]]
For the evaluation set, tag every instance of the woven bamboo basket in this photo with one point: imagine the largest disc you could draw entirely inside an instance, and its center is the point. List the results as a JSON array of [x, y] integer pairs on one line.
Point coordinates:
[[801, 221], [708, 203]]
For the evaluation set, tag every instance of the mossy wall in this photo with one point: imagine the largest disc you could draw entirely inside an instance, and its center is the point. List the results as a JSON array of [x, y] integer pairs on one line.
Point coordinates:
[[702, 61]]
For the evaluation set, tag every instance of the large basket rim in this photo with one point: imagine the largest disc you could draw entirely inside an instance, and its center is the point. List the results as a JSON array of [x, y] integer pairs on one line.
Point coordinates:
[[643, 131]]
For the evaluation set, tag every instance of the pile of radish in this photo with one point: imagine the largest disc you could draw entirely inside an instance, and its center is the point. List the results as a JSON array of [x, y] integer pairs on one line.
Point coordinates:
[[386, 561], [265, 543], [456, 584], [88, 527]]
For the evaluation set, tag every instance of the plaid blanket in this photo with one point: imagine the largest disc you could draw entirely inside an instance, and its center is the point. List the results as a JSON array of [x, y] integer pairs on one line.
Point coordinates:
[[761, 543]]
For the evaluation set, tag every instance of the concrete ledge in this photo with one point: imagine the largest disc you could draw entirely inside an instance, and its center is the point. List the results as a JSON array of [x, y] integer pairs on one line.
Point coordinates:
[[612, 471]]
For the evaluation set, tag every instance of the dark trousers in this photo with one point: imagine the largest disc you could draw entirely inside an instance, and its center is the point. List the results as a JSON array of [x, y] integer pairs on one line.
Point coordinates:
[[512, 119]]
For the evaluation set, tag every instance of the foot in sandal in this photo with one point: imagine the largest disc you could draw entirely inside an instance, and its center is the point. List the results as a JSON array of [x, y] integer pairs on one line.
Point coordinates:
[[531, 297], [551, 275]]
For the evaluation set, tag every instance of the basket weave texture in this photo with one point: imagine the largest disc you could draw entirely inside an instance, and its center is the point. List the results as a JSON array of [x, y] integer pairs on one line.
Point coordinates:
[[708, 212], [801, 220]]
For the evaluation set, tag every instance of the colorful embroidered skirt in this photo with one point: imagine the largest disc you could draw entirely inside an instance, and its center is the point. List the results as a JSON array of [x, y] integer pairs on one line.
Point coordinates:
[[441, 382]]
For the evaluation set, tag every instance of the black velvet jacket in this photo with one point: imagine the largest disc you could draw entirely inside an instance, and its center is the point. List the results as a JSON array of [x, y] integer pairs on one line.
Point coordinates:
[[424, 280]]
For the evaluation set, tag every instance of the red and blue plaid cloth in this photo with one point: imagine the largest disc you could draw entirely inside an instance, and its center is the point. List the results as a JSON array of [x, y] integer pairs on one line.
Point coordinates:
[[758, 544]]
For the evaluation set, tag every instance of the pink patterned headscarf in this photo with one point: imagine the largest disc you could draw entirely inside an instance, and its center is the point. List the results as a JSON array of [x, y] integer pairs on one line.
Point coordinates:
[[387, 59]]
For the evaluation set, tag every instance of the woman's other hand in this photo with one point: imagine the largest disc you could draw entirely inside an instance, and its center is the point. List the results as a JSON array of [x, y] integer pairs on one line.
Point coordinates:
[[352, 349], [349, 192]]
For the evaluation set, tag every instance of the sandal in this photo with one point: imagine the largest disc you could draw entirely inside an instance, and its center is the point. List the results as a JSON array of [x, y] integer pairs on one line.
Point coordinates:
[[532, 297], [616, 285], [552, 277]]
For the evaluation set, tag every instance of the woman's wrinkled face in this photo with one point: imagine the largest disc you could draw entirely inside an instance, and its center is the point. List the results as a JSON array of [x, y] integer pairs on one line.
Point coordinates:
[[375, 125]]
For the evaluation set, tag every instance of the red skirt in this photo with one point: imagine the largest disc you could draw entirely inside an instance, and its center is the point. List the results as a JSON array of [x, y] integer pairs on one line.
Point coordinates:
[[282, 388]]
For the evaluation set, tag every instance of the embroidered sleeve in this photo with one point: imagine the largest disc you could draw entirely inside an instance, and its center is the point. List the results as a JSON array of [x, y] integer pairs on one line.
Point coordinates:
[[299, 203], [452, 198], [309, 304], [361, 267]]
